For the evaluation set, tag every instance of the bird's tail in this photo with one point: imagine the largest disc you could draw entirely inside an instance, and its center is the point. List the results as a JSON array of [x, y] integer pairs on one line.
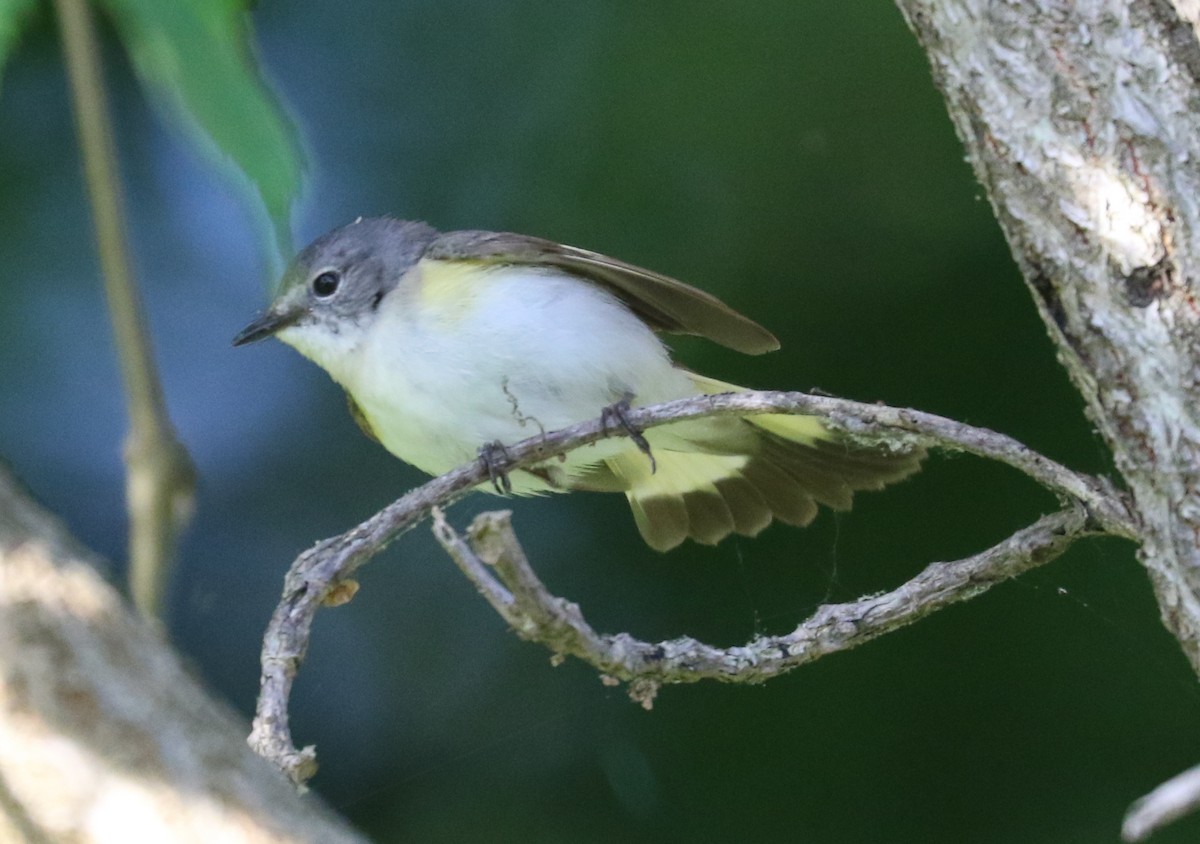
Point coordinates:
[[724, 475]]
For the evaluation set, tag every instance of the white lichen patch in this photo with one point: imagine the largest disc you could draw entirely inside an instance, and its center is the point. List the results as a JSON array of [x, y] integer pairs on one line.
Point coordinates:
[[1110, 203]]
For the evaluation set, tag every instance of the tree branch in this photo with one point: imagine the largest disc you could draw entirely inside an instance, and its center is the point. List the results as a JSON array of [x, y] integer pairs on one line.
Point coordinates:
[[321, 574], [160, 478], [494, 561], [1174, 799]]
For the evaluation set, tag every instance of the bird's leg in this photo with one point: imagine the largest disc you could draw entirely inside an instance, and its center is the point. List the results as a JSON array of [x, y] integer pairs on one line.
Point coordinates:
[[616, 415], [493, 455]]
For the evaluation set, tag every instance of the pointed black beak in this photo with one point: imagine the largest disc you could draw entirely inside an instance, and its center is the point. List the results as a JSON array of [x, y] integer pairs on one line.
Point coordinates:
[[265, 326]]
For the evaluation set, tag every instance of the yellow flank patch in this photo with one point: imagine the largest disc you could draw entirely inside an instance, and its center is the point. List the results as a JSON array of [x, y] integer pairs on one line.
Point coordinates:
[[450, 288], [678, 472], [360, 417], [801, 429]]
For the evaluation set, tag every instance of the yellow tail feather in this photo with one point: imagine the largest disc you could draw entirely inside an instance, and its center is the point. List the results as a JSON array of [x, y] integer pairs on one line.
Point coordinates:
[[726, 475]]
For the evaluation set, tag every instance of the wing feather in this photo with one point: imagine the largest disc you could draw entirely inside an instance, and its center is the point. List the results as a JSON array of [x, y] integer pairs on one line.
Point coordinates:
[[662, 302]]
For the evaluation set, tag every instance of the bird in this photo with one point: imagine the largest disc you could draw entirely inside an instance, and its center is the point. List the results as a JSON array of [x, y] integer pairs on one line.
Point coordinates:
[[449, 343]]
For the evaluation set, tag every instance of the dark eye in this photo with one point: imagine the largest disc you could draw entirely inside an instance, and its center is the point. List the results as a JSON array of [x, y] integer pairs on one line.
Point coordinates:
[[326, 284]]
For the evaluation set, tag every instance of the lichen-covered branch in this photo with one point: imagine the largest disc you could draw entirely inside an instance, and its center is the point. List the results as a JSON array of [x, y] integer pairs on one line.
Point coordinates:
[[322, 574]]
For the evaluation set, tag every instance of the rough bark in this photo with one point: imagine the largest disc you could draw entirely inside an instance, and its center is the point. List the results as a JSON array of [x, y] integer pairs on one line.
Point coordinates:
[[1081, 118], [102, 731]]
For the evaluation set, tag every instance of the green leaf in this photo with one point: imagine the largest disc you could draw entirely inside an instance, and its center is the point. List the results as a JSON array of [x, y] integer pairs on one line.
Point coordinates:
[[196, 57], [13, 15]]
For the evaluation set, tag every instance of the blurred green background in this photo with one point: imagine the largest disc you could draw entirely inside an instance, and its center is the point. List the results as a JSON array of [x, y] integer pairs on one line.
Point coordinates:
[[792, 158]]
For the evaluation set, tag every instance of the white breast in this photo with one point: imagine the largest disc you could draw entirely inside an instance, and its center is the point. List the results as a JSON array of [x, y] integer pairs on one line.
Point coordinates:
[[472, 356]]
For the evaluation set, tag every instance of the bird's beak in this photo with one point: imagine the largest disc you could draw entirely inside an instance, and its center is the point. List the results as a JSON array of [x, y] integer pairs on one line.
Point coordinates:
[[266, 325]]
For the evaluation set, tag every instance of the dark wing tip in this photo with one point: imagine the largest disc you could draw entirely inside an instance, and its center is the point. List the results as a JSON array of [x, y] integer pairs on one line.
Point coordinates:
[[753, 339]]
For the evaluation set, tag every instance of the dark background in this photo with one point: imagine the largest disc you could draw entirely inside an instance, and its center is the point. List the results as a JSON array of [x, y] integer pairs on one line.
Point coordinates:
[[792, 158]]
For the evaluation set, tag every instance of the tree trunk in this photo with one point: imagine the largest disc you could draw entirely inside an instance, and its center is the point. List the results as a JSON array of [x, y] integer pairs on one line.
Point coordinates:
[[1081, 118]]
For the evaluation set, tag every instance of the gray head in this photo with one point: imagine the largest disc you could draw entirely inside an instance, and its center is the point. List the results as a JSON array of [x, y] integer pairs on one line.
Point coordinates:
[[340, 279]]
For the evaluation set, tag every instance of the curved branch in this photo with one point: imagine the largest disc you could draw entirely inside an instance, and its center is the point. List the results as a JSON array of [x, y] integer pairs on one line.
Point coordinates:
[[516, 593], [322, 574]]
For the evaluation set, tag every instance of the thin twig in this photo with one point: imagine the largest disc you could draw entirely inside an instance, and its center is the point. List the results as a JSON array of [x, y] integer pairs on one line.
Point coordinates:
[[323, 570], [160, 478], [494, 561], [1174, 799]]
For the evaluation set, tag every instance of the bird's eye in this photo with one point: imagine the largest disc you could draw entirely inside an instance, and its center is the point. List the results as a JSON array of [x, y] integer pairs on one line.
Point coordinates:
[[326, 284]]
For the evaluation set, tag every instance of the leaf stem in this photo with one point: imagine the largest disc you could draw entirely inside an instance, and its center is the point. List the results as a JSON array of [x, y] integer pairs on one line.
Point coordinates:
[[160, 478]]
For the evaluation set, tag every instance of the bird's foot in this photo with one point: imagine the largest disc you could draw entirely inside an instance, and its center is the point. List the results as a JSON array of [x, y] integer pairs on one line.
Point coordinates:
[[494, 456], [617, 416]]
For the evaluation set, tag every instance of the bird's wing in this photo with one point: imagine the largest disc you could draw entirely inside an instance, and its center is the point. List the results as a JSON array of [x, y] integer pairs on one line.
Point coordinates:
[[662, 302]]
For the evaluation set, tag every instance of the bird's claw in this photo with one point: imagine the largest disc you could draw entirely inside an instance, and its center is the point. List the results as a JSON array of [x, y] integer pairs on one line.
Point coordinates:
[[494, 456], [616, 415]]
